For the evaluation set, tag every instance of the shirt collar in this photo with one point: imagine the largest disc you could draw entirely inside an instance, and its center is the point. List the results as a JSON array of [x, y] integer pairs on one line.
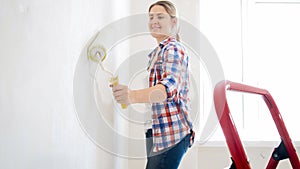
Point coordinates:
[[162, 44], [166, 41]]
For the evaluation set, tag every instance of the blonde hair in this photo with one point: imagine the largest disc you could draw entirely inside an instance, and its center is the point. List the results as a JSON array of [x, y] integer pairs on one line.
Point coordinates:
[[171, 10]]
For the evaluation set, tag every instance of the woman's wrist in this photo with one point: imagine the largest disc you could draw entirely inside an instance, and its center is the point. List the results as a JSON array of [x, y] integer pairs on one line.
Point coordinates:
[[132, 96]]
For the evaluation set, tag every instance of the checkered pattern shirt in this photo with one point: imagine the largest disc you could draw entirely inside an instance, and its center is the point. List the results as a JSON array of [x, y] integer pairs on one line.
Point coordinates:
[[170, 120]]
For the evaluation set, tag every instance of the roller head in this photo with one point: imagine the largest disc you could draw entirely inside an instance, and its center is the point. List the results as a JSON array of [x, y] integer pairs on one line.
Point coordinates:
[[97, 53]]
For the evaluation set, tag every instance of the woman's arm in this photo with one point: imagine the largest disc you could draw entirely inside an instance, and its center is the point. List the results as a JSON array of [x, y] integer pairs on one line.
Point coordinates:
[[153, 94]]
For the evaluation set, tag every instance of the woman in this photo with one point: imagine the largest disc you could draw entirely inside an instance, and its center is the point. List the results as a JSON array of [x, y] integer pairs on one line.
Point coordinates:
[[171, 133]]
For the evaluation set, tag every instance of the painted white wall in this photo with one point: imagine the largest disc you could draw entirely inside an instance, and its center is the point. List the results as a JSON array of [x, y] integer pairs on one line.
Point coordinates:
[[41, 42]]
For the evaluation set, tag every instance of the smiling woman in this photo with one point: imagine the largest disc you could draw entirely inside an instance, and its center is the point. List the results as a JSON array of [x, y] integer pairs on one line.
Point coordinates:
[[169, 131]]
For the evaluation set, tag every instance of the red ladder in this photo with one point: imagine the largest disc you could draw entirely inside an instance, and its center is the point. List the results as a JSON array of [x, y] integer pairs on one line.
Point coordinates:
[[239, 158]]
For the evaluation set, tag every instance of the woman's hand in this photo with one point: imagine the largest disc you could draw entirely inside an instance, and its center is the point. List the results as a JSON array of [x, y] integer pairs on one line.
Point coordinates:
[[121, 94]]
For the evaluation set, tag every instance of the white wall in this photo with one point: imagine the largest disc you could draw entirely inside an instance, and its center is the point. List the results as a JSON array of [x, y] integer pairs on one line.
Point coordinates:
[[41, 42]]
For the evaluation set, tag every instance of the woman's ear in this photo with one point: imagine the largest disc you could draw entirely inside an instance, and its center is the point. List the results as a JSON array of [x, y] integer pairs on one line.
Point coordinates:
[[174, 22]]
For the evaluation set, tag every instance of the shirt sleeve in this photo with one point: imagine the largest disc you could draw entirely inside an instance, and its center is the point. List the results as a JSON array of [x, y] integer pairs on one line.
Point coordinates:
[[171, 73]]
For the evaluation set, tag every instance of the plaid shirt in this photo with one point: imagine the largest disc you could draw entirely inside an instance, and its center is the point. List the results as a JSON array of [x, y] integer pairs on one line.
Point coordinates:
[[170, 120]]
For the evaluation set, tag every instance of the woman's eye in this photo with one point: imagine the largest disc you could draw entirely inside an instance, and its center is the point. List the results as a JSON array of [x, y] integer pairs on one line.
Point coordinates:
[[160, 17]]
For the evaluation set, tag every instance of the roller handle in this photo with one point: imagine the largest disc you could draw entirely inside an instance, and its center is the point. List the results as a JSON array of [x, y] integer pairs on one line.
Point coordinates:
[[115, 81]]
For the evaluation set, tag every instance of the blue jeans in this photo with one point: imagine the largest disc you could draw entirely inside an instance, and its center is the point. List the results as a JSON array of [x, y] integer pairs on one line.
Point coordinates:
[[166, 159]]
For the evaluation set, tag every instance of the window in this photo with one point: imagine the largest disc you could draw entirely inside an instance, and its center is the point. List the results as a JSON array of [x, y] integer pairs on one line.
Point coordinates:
[[258, 44]]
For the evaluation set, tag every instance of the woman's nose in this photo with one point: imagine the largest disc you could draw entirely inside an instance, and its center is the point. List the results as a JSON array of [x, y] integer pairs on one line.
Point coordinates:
[[154, 20]]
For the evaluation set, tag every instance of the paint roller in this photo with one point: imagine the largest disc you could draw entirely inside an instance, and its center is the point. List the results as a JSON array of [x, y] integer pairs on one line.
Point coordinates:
[[98, 54]]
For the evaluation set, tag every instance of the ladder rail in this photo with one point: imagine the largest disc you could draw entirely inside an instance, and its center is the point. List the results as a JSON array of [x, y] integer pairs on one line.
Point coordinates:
[[229, 129]]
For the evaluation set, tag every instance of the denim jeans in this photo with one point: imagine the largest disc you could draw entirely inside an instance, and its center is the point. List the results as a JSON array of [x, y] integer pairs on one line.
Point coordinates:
[[166, 159]]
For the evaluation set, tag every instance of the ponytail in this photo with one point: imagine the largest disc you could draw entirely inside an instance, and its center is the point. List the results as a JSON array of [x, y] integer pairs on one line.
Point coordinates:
[[178, 37]]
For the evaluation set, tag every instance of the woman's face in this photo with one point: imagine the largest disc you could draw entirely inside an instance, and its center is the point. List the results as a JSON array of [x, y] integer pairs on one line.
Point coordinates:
[[160, 23]]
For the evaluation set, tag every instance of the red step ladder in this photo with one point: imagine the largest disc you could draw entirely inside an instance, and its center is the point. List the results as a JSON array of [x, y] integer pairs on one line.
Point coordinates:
[[238, 155]]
